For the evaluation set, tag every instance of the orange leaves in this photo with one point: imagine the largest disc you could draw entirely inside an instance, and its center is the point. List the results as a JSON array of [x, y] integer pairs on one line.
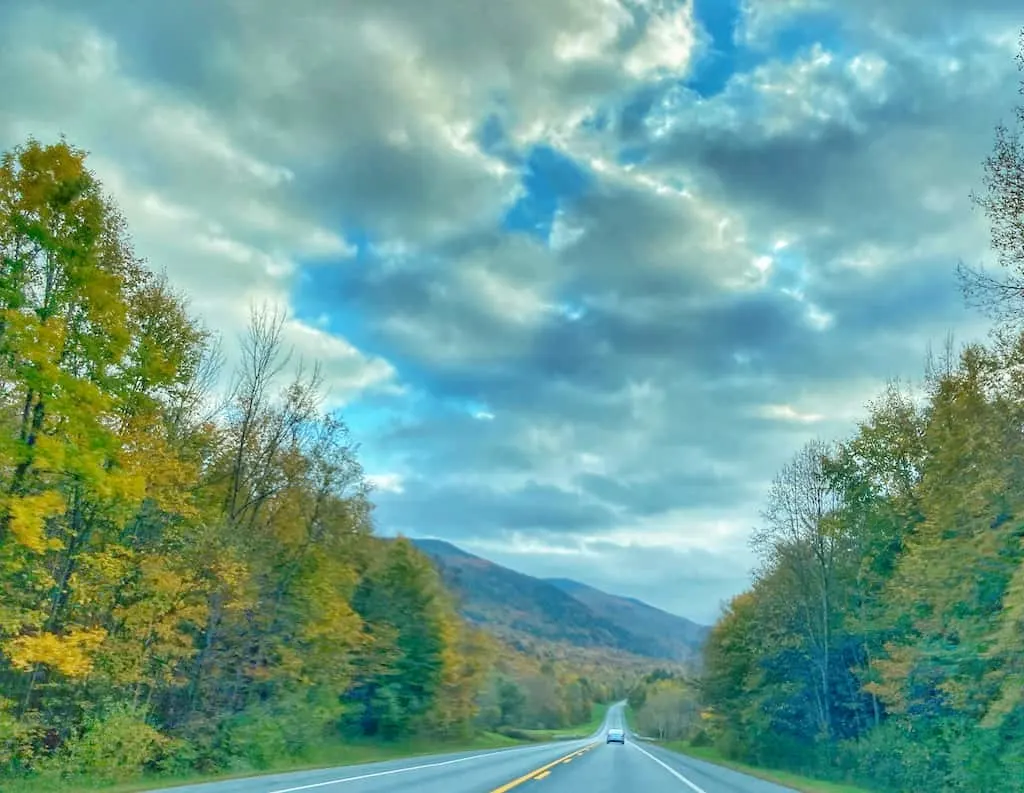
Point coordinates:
[[893, 672]]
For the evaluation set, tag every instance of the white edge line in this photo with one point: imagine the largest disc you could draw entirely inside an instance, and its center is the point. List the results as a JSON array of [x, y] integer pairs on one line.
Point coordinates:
[[406, 769], [666, 766]]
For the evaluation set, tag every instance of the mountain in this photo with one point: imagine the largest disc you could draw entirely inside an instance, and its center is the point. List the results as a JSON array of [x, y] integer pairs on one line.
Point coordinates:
[[678, 634], [525, 610]]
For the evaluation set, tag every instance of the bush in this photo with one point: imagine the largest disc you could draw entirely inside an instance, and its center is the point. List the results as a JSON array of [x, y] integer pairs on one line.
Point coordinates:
[[290, 728], [114, 745], [701, 738], [16, 739]]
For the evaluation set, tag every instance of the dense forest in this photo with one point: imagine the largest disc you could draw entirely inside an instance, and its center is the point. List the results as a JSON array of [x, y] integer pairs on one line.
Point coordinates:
[[190, 576], [882, 641]]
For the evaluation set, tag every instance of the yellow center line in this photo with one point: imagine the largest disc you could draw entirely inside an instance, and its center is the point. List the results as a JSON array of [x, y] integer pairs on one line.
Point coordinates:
[[544, 769]]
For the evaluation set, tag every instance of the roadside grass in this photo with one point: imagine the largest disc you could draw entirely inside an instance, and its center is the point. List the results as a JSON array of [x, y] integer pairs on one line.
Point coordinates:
[[794, 781], [797, 782], [327, 755], [324, 756], [597, 713]]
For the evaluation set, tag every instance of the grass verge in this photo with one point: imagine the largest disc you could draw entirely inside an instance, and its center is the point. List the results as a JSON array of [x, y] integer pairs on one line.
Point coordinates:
[[326, 756], [794, 781], [597, 713]]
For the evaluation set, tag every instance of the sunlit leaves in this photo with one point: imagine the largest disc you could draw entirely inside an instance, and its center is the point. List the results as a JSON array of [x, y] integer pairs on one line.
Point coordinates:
[[28, 518], [72, 654]]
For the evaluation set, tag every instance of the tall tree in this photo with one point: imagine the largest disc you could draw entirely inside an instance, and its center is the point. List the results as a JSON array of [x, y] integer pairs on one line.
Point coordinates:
[[1002, 200], [802, 541]]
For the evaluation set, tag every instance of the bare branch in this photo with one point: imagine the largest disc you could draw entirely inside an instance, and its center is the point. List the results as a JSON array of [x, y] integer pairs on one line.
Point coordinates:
[[1002, 201]]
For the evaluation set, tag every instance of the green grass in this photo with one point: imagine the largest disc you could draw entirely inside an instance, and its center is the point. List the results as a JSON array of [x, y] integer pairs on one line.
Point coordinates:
[[795, 781], [597, 713], [326, 756]]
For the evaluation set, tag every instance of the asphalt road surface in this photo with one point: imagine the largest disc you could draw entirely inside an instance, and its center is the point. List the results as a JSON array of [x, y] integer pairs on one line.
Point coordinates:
[[579, 766]]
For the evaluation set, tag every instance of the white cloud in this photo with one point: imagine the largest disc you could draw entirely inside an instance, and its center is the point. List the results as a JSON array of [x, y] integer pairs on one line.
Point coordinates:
[[653, 363], [200, 204], [789, 413], [346, 371], [388, 482], [667, 44]]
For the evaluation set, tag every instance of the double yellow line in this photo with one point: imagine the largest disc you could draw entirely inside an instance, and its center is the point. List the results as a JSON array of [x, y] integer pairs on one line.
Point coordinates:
[[544, 770]]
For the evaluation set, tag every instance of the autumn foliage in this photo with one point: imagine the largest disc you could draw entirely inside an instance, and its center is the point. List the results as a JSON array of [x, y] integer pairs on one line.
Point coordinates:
[[189, 579], [883, 638]]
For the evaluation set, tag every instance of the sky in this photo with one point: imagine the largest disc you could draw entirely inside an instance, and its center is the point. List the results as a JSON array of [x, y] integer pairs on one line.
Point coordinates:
[[582, 274]]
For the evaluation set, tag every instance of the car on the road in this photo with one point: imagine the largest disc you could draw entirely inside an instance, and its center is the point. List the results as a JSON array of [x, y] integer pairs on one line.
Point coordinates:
[[615, 735]]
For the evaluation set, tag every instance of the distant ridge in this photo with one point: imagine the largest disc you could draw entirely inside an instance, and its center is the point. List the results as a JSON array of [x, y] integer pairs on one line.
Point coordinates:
[[521, 608], [441, 548]]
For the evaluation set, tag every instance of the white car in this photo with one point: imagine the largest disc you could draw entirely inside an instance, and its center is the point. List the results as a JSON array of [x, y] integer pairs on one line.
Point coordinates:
[[616, 735]]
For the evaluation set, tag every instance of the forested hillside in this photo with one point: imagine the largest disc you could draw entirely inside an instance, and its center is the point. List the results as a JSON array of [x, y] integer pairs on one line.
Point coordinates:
[[561, 617], [673, 636], [191, 580], [883, 638]]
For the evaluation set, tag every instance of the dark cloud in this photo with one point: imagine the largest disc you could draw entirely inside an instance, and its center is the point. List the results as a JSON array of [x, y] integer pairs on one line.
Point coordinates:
[[468, 510], [471, 302], [621, 396], [657, 494]]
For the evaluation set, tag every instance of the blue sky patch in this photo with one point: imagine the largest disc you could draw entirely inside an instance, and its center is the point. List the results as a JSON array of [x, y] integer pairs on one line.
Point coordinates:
[[550, 179], [789, 270], [725, 58], [719, 18], [491, 134]]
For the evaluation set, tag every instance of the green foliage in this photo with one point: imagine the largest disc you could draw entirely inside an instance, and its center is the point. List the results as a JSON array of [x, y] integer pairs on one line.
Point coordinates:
[[113, 746], [880, 640], [668, 710]]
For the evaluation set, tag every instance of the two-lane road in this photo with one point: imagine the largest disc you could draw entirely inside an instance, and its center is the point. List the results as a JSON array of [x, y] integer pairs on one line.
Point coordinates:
[[586, 766]]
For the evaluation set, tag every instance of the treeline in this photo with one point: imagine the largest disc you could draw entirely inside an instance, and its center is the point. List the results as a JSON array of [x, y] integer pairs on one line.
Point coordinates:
[[665, 706], [528, 693], [883, 639], [187, 583]]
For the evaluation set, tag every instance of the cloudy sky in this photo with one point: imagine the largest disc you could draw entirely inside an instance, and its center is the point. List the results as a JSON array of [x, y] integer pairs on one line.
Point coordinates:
[[582, 273]]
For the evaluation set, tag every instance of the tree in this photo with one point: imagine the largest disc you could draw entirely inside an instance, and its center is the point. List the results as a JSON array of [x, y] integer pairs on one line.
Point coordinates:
[[889, 603], [1003, 204], [670, 711], [91, 345], [189, 582], [804, 543], [409, 617]]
